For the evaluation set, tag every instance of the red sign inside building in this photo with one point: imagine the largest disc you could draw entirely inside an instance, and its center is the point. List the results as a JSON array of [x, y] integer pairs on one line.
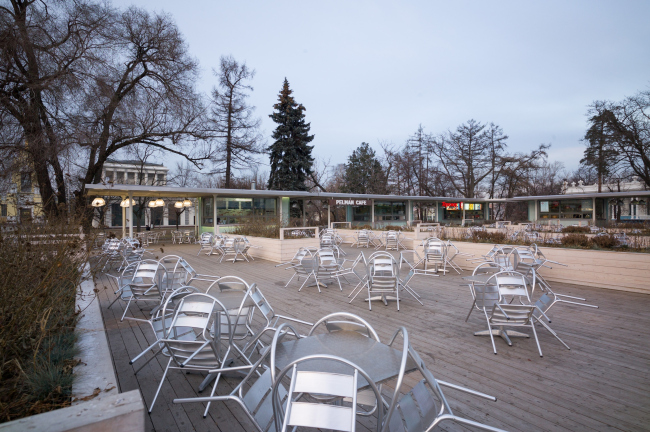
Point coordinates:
[[451, 206]]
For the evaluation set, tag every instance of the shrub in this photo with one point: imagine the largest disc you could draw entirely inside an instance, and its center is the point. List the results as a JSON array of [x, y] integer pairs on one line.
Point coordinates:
[[37, 318], [575, 240], [604, 242], [576, 229]]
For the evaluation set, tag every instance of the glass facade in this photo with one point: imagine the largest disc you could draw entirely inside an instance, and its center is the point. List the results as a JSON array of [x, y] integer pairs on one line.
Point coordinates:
[[390, 211], [361, 213], [207, 217], [454, 211], [116, 215], [566, 209], [234, 210]]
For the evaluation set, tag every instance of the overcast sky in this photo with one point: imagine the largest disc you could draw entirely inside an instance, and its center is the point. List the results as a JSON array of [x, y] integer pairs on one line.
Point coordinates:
[[374, 70]]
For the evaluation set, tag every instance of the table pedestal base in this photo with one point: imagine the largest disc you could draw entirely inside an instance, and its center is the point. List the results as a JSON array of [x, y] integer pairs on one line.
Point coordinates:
[[505, 334]]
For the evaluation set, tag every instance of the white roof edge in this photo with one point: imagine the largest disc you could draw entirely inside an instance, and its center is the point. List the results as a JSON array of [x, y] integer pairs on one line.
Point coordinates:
[[583, 195], [101, 189]]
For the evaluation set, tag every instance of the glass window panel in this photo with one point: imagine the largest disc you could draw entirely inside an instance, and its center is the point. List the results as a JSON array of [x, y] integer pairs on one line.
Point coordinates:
[[172, 217], [208, 211]]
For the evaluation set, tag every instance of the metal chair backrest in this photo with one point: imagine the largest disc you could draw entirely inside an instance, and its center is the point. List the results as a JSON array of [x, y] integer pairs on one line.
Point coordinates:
[[511, 284], [240, 318], [188, 268], [434, 248], [147, 274], [326, 256], [327, 241], [383, 273], [316, 412], [392, 240], [201, 313]]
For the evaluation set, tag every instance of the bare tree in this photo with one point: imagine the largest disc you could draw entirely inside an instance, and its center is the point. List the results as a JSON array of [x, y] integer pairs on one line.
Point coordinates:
[[626, 132], [467, 155], [236, 128], [142, 92], [45, 47]]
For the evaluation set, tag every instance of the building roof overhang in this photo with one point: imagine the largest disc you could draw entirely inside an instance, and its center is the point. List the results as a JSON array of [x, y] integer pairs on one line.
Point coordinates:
[[174, 191], [624, 194]]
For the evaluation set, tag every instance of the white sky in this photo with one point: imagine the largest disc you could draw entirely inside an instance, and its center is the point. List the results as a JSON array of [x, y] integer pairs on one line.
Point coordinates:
[[374, 70]]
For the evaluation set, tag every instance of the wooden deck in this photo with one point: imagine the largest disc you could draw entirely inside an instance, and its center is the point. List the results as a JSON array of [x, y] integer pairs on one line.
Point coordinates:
[[602, 383]]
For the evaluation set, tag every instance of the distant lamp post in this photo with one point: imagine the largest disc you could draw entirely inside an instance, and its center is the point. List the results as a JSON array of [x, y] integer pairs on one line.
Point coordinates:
[[634, 201], [160, 202], [642, 202], [152, 203], [125, 203], [98, 202], [178, 204], [187, 203]]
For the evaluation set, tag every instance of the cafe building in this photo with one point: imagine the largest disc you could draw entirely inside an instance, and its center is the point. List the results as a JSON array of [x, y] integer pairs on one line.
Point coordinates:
[[587, 208], [217, 208]]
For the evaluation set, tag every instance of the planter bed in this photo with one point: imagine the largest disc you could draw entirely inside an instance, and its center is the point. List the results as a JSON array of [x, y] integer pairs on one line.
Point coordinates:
[[625, 271]]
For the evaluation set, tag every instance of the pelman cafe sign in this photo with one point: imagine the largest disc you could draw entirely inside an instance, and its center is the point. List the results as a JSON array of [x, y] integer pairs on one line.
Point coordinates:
[[349, 202]]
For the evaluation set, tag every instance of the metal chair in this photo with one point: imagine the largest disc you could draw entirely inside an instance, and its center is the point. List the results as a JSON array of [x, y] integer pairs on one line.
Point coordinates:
[[328, 267], [392, 240], [177, 237], [205, 243], [302, 410], [192, 275], [202, 313], [352, 270], [216, 246], [164, 313], [452, 253], [413, 266], [299, 255], [241, 317], [145, 285], [485, 296], [253, 394], [271, 320], [506, 314], [425, 406], [382, 278], [305, 269], [435, 252], [363, 239]]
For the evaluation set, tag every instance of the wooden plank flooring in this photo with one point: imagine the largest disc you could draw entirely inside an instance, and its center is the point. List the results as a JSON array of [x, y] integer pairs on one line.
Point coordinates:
[[602, 383]]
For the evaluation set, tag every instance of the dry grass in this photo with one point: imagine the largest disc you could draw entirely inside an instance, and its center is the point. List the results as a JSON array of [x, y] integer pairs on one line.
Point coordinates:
[[40, 269]]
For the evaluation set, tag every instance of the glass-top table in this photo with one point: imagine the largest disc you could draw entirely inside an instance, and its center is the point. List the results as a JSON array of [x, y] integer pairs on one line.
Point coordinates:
[[378, 360]]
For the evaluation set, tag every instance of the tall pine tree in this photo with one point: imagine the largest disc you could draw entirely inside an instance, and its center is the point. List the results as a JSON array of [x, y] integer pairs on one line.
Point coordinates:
[[291, 160], [364, 173]]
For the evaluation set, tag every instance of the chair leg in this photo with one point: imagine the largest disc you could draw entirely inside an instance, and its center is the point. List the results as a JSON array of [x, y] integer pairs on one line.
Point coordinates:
[[162, 380], [126, 308], [214, 389], [470, 310], [147, 362], [494, 347], [532, 325], [546, 326], [134, 359], [294, 275]]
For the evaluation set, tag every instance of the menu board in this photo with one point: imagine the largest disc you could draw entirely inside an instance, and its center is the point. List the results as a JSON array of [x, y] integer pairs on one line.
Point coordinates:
[[543, 206]]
